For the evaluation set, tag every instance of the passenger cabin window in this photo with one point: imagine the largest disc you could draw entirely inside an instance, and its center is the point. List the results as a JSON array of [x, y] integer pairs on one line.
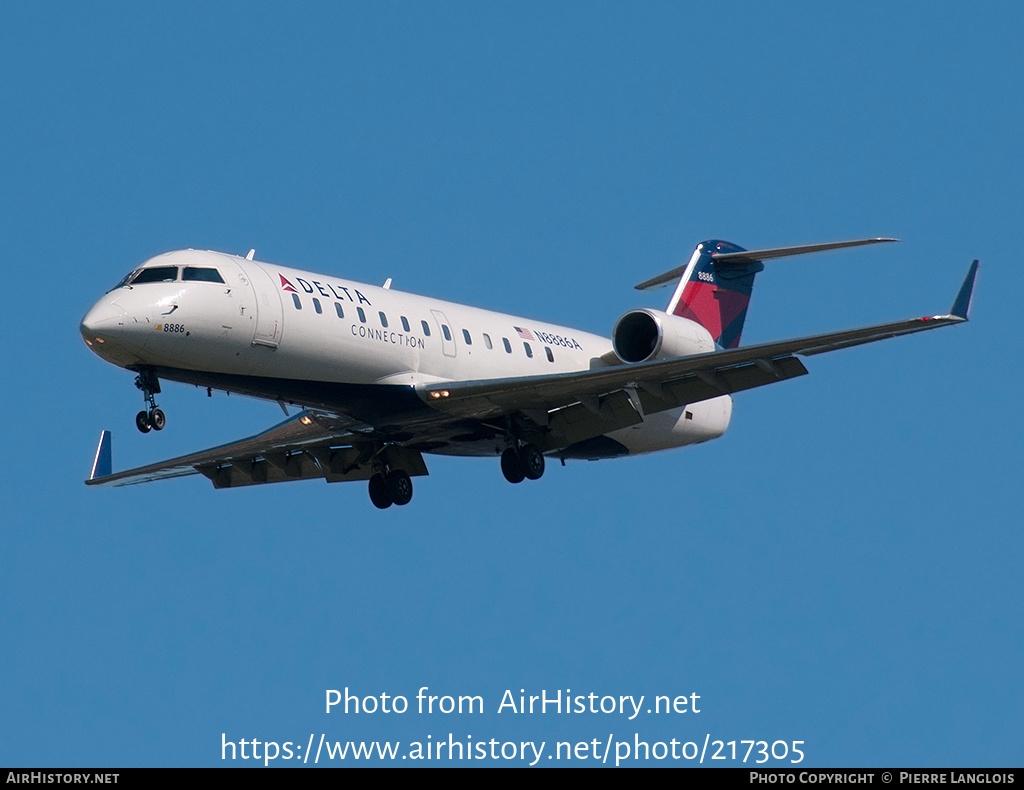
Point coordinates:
[[466, 337], [551, 357], [487, 341], [316, 306], [362, 315], [529, 351], [426, 328], [201, 274], [383, 319], [508, 346], [405, 323], [298, 302], [156, 274], [447, 334], [338, 310]]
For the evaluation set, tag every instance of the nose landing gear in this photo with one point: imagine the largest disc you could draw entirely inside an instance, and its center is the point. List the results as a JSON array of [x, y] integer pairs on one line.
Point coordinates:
[[153, 418]]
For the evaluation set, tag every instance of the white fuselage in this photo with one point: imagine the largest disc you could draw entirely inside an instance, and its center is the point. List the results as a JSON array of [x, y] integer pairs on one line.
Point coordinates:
[[273, 322]]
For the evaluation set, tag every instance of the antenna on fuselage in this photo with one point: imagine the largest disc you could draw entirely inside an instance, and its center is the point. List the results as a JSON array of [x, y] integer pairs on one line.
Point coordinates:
[[251, 253], [387, 284]]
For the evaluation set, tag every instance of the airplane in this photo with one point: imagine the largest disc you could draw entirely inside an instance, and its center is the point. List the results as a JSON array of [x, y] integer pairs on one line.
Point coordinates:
[[384, 378]]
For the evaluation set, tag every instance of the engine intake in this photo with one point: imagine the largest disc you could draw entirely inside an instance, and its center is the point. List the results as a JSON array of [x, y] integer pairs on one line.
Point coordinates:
[[641, 335]]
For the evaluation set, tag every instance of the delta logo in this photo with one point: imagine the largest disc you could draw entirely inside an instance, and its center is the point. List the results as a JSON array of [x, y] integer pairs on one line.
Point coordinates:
[[326, 290]]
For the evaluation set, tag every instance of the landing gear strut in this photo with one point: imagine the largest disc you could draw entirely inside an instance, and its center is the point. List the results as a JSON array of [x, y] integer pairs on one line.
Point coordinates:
[[523, 462], [153, 418]]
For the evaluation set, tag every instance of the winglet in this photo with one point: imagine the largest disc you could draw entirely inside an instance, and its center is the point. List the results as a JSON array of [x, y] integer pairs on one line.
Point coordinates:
[[102, 466], [963, 299]]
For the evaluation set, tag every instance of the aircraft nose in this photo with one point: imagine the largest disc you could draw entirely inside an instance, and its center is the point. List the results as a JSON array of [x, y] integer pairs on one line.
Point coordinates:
[[104, 322]]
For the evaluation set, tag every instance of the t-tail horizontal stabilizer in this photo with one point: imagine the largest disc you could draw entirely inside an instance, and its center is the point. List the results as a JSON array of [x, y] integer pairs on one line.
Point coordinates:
[[751, 256]]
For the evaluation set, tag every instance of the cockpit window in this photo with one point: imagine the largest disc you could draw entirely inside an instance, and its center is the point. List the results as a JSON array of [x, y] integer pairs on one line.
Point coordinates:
[[125, 279], [156, 274], [201, 274]]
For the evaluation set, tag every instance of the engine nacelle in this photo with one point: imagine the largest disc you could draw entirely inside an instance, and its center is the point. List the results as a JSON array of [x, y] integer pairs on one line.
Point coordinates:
[[641, 335]]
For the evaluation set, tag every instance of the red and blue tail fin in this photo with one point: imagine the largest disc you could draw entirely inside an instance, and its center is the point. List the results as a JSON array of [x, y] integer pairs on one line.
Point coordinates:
[[715, 286], [716, 294]]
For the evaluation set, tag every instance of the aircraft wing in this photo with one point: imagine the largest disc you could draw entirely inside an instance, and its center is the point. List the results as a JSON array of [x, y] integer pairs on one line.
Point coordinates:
[[579, 405], [305, 446]]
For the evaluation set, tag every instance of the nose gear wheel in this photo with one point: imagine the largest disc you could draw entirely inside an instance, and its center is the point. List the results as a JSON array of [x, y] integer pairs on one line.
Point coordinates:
[[153, 418]]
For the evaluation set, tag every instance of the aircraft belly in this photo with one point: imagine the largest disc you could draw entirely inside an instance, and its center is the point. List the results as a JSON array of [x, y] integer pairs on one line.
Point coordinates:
[[707, 420], [388, 407], [479, 449]]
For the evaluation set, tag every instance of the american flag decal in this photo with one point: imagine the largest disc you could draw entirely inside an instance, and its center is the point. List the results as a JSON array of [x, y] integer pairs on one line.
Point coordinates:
[[525, 334]]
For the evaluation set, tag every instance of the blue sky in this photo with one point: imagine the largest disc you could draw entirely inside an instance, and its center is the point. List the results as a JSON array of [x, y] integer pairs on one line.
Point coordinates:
[[841, 568]]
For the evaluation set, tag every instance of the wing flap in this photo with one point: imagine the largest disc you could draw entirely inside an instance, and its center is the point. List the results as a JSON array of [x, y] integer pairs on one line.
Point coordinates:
[[702, 384], [590, 417]]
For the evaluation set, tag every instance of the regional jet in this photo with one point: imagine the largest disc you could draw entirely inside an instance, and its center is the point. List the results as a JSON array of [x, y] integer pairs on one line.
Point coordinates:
[[383, 378]]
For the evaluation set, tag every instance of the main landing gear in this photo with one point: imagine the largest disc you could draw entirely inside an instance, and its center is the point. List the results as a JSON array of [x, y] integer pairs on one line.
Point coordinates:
[[389, 488], [153, 418], [522, 462]]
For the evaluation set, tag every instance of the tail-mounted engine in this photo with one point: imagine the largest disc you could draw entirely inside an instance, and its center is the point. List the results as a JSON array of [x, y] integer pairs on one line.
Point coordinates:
[[641, 335]]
